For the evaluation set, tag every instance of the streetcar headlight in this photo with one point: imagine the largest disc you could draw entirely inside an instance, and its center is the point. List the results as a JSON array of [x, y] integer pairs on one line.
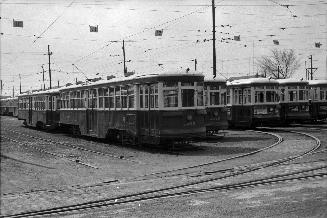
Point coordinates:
[[189, 117], [215, 113]]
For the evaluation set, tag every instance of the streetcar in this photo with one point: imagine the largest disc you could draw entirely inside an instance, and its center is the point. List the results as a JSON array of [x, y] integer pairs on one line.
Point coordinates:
[[150, 109], [318, 99], [215, 103], [294, 100], [39, 109], [8, 106], [252, 102]]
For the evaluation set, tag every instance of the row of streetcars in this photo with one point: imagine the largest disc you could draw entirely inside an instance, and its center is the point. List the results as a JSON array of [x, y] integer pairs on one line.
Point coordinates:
[[9, 107], [263, 101], [159, 108]]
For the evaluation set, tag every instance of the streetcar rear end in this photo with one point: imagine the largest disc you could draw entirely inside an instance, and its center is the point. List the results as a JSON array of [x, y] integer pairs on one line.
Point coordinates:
[[294, 101], [8, 106], [318, 97], [253, 102], [215, 104]]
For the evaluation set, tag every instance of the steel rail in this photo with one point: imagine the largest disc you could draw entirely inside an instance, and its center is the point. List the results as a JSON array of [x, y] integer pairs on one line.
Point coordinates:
[[140, 197]]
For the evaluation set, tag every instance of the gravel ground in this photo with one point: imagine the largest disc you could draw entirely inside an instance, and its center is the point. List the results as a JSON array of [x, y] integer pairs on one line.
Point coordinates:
[[48, 180]]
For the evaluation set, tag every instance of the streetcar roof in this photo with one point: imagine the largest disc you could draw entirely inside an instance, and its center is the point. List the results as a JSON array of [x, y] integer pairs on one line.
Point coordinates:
[[135, 79], [292, 81], [40, 92], [8, 99], [252, 81], [318, 82], [216, 79]]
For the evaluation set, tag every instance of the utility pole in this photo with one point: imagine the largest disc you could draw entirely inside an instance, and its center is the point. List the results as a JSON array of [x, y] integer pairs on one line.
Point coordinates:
[[278, 72], [49, 54], [1, 86], [43, 78], [195, 63], [13, 91], [125, 69], [311, 68], [58, 83], [214, 38], [20, 84]]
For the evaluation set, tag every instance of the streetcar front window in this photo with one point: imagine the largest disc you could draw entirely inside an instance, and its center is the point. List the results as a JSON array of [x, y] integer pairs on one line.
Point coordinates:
[[187, 97], [170, 98], [214, 98], [271, 96], [259, 97], [292, 95]]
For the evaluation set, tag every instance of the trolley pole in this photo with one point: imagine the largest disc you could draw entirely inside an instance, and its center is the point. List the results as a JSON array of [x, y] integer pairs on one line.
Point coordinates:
[[49, 54], [311, 69], [214, 38], [125, 70], [20, 84], [43, 77]]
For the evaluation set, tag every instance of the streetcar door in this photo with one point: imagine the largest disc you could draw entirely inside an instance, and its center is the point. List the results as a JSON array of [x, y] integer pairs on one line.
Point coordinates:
[[30, 111], [151, 116], [91, 112]]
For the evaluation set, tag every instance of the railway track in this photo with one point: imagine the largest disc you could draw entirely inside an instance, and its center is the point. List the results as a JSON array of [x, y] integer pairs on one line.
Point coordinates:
[[30, 145], [174, 192], [187, 188], [164, 173], [120, 157]]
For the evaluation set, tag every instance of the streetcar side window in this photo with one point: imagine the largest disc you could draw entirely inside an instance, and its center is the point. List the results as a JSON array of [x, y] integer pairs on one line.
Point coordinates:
[[199, 90], [322, 95], [141, 96], [106, 97], [154, 96], [101, 97], [123, 97], [111, 97], [117, 97], [131, 95], [228, 96]]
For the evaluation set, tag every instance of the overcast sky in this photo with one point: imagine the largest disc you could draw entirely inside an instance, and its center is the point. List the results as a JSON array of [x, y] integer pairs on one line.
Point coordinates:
[[187, 29]]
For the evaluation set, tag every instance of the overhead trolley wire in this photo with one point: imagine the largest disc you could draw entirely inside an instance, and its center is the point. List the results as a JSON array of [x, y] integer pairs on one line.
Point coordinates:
[[144, 30], [46, 29]]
